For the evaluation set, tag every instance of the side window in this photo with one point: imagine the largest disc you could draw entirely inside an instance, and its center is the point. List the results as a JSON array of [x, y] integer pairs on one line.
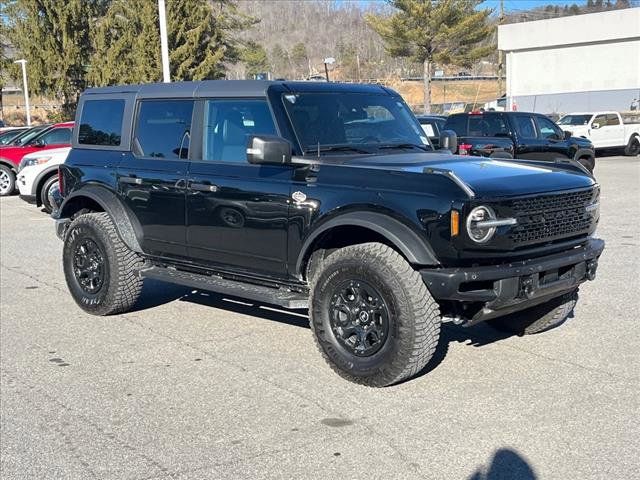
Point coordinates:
[[494, 125], [457, 123], [600, 120], [101, 122], [525, 126], [57, 136], [612, 119], [163, 129], [548, 129], [227, 125]]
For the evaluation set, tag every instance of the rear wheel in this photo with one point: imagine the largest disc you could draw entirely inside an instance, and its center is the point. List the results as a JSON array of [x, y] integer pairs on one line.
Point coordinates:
[[633, 147], [44, 192], [7, 181], [100, 270], [539, 318], [372, 316]]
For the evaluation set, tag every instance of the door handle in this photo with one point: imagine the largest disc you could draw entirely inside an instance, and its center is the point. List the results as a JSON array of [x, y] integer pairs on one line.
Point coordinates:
[[204, 187], [132, 180]]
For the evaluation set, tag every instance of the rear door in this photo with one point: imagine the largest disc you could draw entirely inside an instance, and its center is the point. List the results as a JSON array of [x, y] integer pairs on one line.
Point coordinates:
[[237, 213], [152, 179]]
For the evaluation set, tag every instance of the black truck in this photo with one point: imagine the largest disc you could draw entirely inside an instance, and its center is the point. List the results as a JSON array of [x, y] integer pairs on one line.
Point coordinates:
[[321, 196], [518, 135]]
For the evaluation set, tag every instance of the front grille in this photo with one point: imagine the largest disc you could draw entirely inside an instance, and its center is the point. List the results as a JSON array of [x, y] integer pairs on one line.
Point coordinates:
[[552, 217]]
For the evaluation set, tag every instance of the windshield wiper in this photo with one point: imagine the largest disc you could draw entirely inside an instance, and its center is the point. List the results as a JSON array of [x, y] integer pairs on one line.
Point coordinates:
[[335, 148], [403, 146]]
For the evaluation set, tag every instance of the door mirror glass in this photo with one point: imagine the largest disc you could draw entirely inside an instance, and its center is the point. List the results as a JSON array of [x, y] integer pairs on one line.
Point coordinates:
[[567, 134], [39, 143], [448, 140], [268, 149], [595, 125]]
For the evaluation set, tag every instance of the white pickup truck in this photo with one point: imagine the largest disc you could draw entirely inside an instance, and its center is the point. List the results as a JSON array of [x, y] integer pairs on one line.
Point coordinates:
[[606, 129]]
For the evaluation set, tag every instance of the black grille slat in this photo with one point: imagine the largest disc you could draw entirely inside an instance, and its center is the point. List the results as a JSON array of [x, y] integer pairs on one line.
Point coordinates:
[[550, 217]]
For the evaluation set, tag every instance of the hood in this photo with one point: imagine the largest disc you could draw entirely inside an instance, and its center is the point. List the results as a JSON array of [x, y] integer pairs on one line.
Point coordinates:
[[486, 177], [64, 151]]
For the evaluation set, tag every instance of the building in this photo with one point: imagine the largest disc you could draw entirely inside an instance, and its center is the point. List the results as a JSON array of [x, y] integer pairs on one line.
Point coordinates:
[[576, 63]]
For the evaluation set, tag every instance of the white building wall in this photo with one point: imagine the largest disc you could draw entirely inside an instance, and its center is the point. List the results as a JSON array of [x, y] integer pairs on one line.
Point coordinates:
[[573, 63]]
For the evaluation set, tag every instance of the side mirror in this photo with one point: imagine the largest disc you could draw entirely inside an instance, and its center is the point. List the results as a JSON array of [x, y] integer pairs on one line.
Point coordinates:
[[595, 125], [39, 143], [268, 149], [567, 135], [448, 140]]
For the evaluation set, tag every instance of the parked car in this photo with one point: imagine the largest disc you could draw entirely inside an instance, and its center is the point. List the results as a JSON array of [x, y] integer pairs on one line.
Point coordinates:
[[38, 175], [606, 130], [348, 213], [521, 135], [8, 135], [57, 136], [432, 126], [24, 136]]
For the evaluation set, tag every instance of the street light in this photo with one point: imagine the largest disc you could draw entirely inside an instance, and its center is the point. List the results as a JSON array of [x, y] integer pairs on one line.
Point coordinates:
[[328, 61], [164, 44], [23, 62]]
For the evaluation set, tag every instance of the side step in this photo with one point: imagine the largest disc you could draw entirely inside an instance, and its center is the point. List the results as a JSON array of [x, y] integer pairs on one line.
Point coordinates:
[[276, 296]]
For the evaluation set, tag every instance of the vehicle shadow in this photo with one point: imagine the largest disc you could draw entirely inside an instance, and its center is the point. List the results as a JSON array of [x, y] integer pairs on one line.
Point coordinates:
[[506, 464], [156, 293]]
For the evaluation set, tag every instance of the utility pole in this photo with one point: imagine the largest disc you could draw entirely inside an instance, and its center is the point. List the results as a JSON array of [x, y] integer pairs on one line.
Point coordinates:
[[164, 44], [25, 88], [500, 55]]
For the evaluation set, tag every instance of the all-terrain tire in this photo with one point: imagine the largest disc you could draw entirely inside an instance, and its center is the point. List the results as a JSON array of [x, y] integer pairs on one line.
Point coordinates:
[[121, 284], [633, 147], [44, 193], [539, 318], [7, 181], [413, 322]]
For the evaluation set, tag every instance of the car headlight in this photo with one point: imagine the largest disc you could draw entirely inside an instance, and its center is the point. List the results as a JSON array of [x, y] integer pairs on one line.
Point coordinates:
[[477, 228], [29, 162]]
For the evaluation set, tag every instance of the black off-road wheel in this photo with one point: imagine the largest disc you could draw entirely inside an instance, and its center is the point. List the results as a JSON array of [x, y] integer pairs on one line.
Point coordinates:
[[373, 319], [44, 193], [7, 181], [538, 319], [100, 270], [633, 147]]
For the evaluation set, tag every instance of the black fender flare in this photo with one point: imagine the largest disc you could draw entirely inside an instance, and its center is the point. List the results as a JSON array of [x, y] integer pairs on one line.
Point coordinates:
[[127, 224], [414, 248], [584, 152]]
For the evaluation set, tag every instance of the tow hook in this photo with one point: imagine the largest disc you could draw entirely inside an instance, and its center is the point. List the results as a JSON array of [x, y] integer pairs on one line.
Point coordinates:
[[527, 286], [592, 266]]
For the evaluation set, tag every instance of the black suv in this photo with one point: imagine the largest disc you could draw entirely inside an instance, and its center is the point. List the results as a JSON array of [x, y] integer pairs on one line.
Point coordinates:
[[321, 196], [518, 135]]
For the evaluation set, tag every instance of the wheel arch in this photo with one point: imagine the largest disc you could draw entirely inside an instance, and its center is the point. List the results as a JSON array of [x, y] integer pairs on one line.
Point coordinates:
[[7, 163], [360, 227], [40, 180], [96, 196]]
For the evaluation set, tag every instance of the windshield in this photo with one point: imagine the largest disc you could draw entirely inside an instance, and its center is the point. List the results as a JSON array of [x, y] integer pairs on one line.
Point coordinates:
[[350, 123], [574, 119], [8, 136], [28, 135]]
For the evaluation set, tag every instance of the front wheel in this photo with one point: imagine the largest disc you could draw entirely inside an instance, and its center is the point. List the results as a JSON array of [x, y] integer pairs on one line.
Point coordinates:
[[633, 147], [7, 181], [539, 318], [372, 316], [100, 270]]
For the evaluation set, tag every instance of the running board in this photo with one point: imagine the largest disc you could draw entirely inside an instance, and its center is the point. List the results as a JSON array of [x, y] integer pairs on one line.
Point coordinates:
[[276, 296]]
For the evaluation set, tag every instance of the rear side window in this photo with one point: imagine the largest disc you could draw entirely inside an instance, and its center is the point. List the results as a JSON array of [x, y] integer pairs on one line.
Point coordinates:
[[612, 119], [56, 136], [457, 123], [163, 129], [525, 126], [101, 122]]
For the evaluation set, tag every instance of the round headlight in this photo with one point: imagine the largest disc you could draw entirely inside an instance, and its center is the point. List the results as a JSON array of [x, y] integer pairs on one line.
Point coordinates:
[[476, 231]]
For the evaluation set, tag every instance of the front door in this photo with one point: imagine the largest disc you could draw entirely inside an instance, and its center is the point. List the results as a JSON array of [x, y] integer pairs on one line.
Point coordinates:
[[529, 145], [555, 145], [610, 133], [237, 213], [152, 180]]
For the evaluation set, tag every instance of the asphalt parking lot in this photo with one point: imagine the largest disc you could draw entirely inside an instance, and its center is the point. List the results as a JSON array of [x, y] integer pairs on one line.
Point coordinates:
[[195, 386]]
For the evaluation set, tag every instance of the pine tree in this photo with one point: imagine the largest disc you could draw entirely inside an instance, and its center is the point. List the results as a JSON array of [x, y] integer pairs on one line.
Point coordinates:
[[448, 32], [255, 58], [55, 38], [201, 38], [299, 57]]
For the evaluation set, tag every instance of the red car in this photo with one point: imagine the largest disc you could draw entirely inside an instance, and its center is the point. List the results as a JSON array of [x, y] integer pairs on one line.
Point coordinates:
[[56, 136]]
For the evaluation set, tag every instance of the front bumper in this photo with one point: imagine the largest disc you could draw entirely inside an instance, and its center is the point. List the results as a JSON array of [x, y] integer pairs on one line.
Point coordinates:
[[486, 292]]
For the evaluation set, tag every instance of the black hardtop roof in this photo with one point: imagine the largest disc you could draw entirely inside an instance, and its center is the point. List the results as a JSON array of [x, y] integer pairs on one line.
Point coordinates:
[[234, 88]]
